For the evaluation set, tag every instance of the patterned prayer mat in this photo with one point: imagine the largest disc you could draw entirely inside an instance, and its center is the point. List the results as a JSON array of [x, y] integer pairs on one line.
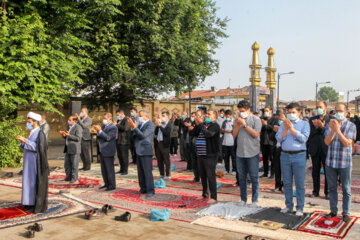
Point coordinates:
[[56, 182], [13, 214], [290, 221], [182, 203], [334, 227]]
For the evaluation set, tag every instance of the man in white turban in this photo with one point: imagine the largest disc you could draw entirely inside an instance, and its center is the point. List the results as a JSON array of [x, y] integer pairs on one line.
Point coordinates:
[[35, 166]]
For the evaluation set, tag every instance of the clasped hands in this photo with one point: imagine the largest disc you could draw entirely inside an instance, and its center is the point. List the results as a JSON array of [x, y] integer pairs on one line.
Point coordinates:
[[131, 123], [64, 134], [21, 139]]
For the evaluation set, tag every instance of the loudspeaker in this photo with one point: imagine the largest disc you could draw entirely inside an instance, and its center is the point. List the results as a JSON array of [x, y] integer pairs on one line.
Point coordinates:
[[75, 107]]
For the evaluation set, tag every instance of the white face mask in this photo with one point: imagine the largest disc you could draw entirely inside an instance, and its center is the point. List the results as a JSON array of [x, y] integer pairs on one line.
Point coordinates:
[[105, 122], [243, 115], [81, 115], [339, 116], [192, 119], [221, 115], [292, 116], [141, 120], [163, 120], [266, 114]]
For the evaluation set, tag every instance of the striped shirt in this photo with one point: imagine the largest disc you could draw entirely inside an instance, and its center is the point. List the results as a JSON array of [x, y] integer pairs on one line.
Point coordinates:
[[201, 144], [338, 156]]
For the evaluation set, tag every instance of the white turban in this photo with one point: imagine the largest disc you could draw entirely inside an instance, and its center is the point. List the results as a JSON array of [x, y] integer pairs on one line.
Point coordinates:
[[34, 116]]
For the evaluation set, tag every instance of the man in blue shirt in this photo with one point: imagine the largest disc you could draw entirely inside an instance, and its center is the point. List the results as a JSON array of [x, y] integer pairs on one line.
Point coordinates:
[[292, 135]]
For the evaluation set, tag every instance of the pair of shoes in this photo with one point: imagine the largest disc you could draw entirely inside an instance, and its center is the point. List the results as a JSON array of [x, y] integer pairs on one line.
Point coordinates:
[[346, 218], [330, 215], [166, 178], [195, 180], [285, 210], [314, 195], [124, 217], [93, 213], [254, 205], [67, 179], [30, 234], [103, 187], [150, 195], [107, 209], [241, 203], [299, 213], [124, 173], [110, 189]]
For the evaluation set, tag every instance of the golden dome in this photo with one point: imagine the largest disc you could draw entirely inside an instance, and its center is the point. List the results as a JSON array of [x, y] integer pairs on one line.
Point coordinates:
[[270, 51], [255, 46]]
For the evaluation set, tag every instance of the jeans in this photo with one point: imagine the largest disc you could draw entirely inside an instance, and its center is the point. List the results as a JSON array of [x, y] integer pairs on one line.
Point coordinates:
[[345, 179], [251, 166], [294, 166]]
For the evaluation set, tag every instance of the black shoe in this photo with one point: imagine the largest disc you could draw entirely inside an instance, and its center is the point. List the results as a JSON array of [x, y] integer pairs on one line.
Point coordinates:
[[195, 180], [30, 234], [81, 169], [103, 187], [109, 189], [124, 173], [124, 217], [271, 176], [327, 196], [140, 192], [264, 175], [346, 218], [314, 195], [330, 215]]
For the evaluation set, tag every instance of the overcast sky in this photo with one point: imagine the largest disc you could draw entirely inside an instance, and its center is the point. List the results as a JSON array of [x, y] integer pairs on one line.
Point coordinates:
[[317, 39]]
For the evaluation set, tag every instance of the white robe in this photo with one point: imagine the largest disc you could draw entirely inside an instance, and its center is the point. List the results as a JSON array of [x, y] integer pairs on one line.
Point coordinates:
[[29, 168]]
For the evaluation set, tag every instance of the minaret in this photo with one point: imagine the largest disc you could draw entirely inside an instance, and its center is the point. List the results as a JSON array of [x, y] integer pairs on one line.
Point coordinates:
[[254, 78], [270, 78]]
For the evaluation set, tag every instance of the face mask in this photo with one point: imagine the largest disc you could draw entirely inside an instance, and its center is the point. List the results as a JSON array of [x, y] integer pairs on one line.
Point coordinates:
[[235, 116], [207, 120], [132, 114], [69, 123], [105, 122], [29, 126], [221, 115], [183, 116], [280, 122], [320, 111], [141, 120], [163, 120], [307, 115], [243, 115], [266, 114], [81, 115], [228, 119], [118, 118], [292, 116], [192, 119], [339, 116]]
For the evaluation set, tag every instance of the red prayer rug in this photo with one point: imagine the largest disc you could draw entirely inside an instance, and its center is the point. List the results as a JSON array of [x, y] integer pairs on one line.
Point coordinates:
[[13, 214], [182, 203], [334, 227]]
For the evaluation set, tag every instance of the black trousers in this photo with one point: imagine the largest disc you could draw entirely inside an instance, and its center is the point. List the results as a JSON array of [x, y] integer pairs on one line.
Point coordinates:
[[123, 156], [277, 167], [145, 176], [268, 155], [317, 162], [185, 150], [229, 151], [163, 158], [173, 145], [221, 154], [108, 171], [85, 154], [207, 168], [133, 151], [194, 162]]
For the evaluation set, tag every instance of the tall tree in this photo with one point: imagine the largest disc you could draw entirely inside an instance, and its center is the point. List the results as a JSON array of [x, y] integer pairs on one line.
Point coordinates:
[[328, 94]]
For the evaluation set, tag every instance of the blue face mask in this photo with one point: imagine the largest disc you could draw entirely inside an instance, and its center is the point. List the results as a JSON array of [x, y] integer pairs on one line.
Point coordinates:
[[235, 116], [280, 122], [339, 116], [292, 116], [132, 114], [228, 119], [320, 111], [207, 120], [69, 123], [29, 126], [307, 115], [118, 118]]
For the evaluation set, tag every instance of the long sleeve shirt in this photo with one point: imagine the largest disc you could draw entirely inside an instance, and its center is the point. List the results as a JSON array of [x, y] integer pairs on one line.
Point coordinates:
[[297, 143]]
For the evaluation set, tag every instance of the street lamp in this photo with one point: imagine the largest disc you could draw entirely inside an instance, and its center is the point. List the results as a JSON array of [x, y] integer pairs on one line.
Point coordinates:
[[317, 84], [278, 88], [347, 99]]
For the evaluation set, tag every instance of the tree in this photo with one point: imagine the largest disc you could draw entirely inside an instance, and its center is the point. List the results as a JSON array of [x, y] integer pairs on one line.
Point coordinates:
[[143, 48], [328, 94]]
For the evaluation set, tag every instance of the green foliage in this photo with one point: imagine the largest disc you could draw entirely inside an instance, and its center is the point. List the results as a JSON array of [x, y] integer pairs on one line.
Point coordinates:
[[10, 154], [328, 94]]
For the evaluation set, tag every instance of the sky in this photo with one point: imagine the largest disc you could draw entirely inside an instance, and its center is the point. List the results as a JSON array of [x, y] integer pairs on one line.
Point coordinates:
[[317, 39]]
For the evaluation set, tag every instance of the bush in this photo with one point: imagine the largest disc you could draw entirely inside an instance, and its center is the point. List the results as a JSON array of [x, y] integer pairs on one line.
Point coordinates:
[[10, 153]]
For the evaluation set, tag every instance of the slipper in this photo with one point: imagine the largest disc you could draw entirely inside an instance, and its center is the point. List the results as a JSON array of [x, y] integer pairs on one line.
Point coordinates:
[[124, 217]]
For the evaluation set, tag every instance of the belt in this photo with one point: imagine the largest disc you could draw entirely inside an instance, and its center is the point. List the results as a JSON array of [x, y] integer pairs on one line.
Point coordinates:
[[294, 152]]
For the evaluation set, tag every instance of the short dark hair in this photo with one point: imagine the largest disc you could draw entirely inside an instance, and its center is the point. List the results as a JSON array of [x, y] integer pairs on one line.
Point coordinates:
[[323, 103], [269, 107], [166, 112], [133, 108], [222, 110], [193, 113], [293, 105], [308, 110], [243, 104], [228, 112], [73, 117]]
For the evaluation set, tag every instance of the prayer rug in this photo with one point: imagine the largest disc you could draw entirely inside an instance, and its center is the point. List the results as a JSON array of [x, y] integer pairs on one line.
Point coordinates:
[[182, 203], [13, 214], [334, 227], [290, 221]]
